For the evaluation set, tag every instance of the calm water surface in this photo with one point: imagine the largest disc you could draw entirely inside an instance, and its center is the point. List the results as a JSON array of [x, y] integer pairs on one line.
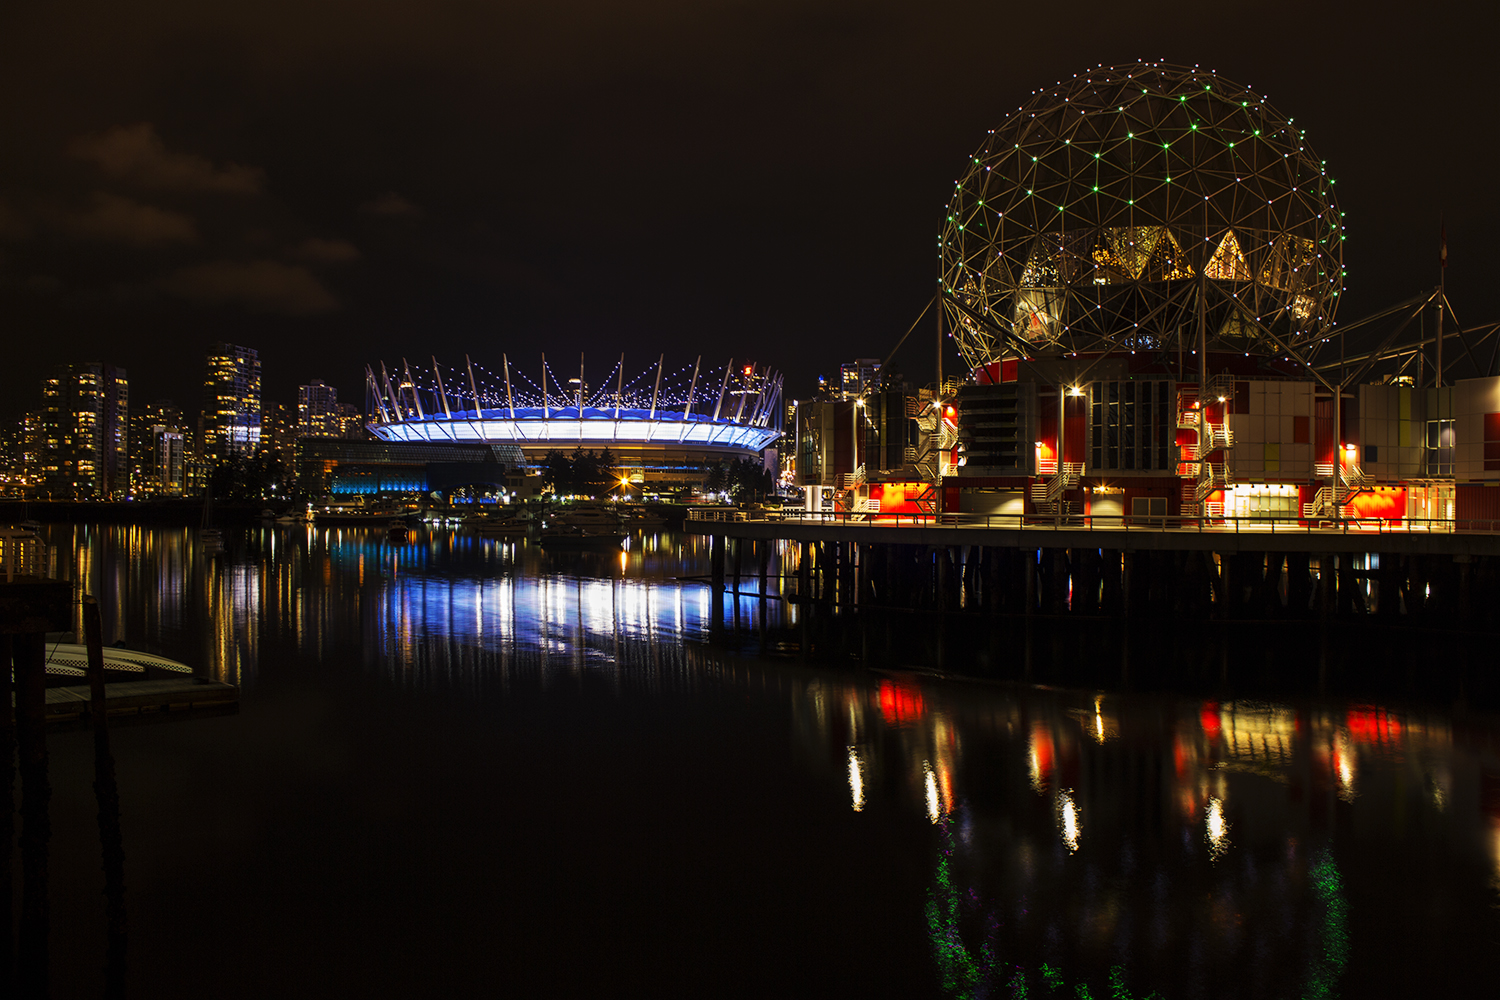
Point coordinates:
[[470, 767]]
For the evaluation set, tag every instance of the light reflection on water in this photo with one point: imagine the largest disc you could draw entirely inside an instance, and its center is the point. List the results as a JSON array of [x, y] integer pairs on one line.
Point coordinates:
[[1195, 847], [1202, 849], [448, 604]]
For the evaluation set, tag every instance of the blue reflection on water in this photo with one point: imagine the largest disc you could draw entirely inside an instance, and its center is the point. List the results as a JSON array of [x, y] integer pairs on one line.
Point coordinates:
[[446, 600]]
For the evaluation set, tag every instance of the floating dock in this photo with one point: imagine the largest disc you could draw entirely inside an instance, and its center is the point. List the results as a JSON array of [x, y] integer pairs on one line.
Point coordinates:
[[132, 702]]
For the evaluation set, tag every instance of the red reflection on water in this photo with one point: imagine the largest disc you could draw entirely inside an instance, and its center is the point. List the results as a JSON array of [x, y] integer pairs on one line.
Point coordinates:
[[900, 703], [1368, 724], [1210, 719]]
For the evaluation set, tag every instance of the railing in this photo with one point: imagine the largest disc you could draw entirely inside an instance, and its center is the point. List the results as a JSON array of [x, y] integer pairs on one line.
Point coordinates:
[[1354, 479], [1213, 476], [21, 554], [1171, 523], [1065, 480]]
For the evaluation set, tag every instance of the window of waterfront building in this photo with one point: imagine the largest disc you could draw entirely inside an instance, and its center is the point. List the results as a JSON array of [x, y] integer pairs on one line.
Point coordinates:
[[1440, 447], [1129, 425]]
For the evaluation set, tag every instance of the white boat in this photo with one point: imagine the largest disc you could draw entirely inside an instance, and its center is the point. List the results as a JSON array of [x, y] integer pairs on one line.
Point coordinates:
[[505, 521], [68, 659], [639, 516], [583, 525]]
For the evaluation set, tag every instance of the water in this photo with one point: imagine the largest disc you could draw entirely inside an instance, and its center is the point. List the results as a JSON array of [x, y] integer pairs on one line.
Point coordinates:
[[467, 767]]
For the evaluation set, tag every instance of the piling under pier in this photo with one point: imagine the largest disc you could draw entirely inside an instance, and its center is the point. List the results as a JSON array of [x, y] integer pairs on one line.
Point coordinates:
[[1424, 577]]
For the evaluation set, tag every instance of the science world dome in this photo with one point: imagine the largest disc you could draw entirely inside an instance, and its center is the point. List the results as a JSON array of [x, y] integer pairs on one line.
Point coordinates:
[[1146, 207]]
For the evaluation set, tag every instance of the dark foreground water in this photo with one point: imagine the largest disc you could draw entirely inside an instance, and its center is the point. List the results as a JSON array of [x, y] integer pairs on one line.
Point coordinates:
[[474, 768]]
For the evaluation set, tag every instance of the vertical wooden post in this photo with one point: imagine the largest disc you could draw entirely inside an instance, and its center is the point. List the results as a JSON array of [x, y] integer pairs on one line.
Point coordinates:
[[7, 811], [29, 652], [107, 792], [763, 549], [1028, 575]]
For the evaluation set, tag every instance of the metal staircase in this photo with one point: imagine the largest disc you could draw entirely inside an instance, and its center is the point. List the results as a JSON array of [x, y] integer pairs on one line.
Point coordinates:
[[1201, 464]]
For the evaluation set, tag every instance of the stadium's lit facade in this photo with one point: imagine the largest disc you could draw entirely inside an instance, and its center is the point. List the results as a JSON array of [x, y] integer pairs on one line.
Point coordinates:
[[663, 428]]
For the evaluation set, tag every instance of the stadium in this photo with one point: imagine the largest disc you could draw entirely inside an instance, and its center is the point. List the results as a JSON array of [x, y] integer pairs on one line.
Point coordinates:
[[663, 427]]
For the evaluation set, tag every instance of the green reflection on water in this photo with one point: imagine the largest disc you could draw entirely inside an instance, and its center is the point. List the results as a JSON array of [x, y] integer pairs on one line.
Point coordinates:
[[966, 971], [1328, 967]]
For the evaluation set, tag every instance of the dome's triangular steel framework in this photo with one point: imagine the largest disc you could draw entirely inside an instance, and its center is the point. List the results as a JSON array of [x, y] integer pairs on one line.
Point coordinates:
[[1146, 207]]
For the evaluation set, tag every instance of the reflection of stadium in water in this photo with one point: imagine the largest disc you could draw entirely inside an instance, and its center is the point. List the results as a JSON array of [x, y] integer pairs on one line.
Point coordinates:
[[452, 605]]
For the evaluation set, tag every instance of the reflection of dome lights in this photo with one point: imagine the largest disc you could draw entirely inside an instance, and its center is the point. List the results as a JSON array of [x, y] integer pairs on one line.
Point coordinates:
[[1218, 828], [856, 780], [1067, 814], [934, 813], [1343, 762]]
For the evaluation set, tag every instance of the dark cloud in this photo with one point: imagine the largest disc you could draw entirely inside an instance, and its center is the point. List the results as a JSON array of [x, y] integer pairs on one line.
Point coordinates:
[[265, 286], [392, 204], [314, 250], [110, 218], [136, 153]]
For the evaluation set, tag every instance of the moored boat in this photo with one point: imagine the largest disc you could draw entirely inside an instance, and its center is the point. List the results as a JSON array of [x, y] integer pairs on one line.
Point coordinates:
[[584, 525]]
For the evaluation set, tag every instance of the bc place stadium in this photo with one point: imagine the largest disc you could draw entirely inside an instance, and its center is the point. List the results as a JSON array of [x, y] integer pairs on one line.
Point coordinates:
[[663, 424]]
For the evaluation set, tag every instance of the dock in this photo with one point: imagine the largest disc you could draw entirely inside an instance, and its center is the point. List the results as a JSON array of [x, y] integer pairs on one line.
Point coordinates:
[[135, 702]]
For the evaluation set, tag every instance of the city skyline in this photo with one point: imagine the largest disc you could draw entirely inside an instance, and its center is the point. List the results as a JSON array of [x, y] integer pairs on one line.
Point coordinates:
[[484, 181]]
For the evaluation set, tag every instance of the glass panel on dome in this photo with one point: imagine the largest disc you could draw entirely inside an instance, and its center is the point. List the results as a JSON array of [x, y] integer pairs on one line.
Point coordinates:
[[1239, 326], [1228, 262], [1291, 264], [1036, 318], [1041, 265], [1167, 262], [1132, 246], [1108, 269]]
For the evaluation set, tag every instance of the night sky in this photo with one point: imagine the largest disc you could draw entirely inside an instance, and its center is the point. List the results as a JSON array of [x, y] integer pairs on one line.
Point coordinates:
[[336, 182]]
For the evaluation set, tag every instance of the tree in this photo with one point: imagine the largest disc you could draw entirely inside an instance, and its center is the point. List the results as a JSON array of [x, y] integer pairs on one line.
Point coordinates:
[[557, 472]]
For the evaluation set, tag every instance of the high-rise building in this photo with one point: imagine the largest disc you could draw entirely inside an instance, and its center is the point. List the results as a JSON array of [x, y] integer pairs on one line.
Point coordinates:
[[12, 460], [231, 402], [859, 376], [317, 410], [278, 434], [85, 443], [351, 423], [160, 443]]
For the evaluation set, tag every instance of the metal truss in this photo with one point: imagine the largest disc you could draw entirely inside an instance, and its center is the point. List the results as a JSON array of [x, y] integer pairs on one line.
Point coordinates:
[[1146, 207]]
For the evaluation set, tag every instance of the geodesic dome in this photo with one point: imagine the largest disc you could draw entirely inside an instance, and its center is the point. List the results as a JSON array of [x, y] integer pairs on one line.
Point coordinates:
[[1141, 207]]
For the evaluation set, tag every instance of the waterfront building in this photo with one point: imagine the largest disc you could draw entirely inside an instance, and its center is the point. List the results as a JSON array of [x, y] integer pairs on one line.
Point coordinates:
[[231, 425], [861, 434], [1141, 269], [317, 410], [666, 429], [341, 468], [85, 446]]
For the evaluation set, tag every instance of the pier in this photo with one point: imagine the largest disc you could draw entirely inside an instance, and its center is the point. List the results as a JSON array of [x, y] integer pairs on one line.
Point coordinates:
[[1215, 569]]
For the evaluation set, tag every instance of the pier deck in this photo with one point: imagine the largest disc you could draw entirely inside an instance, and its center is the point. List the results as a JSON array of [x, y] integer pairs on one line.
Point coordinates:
[[131, 702]]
